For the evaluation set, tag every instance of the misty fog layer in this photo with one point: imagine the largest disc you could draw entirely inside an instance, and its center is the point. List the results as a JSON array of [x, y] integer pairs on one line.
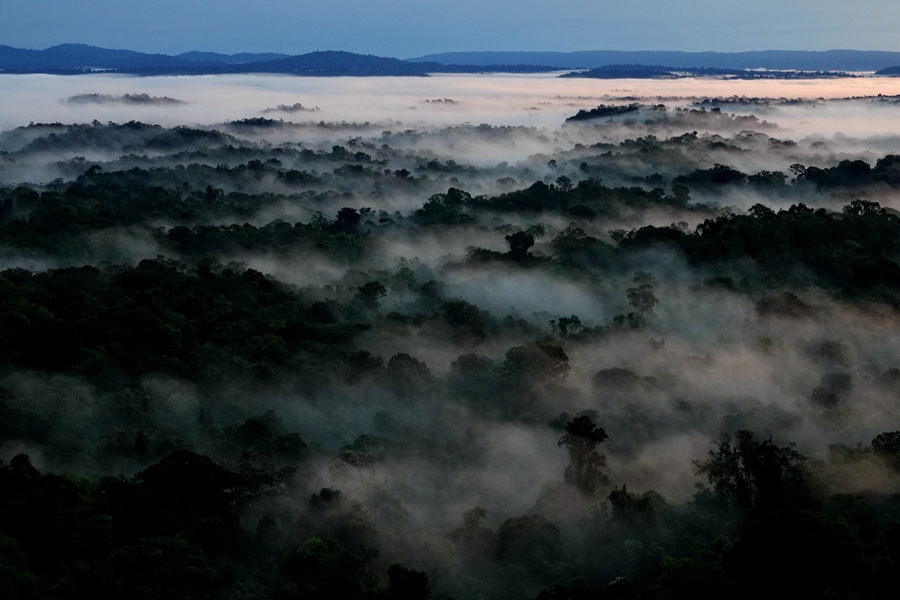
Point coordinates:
[[511, 340]]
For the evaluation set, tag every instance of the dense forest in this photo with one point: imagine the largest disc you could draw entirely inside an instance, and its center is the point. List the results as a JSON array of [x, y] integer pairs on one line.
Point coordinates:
[[650, 354]]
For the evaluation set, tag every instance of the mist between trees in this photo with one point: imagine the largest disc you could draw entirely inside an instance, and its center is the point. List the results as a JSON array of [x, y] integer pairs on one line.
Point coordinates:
[[656, 358]]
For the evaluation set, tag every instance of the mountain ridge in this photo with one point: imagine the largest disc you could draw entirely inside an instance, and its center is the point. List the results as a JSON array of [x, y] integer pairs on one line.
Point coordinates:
[[80, 58], [814, 60], [71, 59]]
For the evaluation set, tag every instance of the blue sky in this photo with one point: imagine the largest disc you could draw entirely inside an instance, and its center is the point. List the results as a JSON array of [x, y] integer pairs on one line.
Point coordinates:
[[407, 28]]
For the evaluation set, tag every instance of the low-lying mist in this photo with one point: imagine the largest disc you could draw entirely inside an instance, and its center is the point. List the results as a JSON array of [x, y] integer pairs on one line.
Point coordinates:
[[435, 318]]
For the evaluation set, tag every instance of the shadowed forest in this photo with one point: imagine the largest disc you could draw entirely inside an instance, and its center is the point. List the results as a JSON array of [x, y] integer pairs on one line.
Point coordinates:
[[650, 353]]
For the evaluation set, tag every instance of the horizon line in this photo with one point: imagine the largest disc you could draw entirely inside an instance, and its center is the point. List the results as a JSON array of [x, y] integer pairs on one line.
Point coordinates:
[[452, 51]]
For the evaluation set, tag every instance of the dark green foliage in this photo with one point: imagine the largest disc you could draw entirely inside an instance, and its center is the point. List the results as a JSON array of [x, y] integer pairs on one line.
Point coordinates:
[[467, 321], [153, 535], [266, 434], [790, 554], [616, 379], [823, 397], [445, 209], [636, 509], [784, 304], [362, 365], [650, 236], [604, 111], [407, 584], [531, 541], [698, 578], [536, 362], [408, 375], [337, 518], [585, 463], [342, 242], [184, 494], [17, 581], [475, 544], [168, 568], [475, 378], [588, 194], [757, 475], [519, 243], [575, 248], [323, 569], [577, 589], [532, 370], [642, 299], [146, 390], [719, 175], [369, 293], [39, 511], [851, 253], [156, 316], [767, 180], [853, 173], [887, 446], [567, 326]]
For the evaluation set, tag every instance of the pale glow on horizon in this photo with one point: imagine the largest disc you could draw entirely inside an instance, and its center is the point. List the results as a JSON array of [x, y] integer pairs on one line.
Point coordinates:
[[541, 100]]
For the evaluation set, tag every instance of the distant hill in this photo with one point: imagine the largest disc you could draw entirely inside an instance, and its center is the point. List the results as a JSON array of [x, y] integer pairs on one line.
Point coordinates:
[[830, 60], [67, 57], [80, 58], [334, 63], [231, 59], [889, 71]]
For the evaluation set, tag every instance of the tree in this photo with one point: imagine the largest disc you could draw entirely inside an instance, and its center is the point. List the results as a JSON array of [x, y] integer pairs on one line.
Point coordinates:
[[369, 293], [756, 475], [475, 544], [519, 243], [160, 568], [361, 365], [408, 375], [636, 509], [795, 554], [574, 247], [784, 304], [363, 453], [564, 183], [531, 369], [407, 584], [887, 446], [531, 541], [350, 216], [475, 378], [322, 569], [17, 580], [642, 299], [445, 209], [466, 321], [566, 326], [581, 440], [863, 208], [334, 517]]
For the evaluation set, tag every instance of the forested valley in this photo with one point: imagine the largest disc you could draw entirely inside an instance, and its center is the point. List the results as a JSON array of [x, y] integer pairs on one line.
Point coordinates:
[[650, 354]]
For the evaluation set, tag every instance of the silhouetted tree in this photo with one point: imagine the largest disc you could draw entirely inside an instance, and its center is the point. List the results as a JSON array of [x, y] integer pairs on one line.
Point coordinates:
[[519, 243], [585, 463]]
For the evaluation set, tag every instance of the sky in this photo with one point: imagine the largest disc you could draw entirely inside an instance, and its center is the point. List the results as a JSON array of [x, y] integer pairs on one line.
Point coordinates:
[[410, 28]]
